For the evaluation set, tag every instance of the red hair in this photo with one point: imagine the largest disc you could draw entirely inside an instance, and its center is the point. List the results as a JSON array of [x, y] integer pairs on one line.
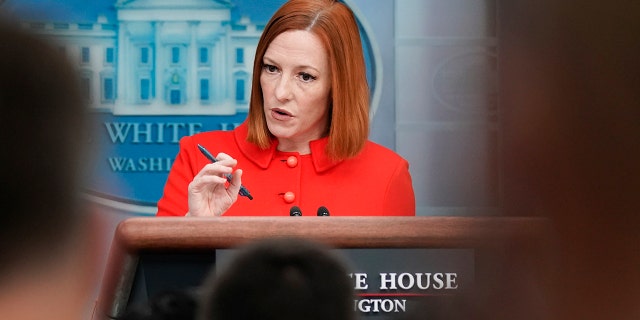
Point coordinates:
[[335, 25]]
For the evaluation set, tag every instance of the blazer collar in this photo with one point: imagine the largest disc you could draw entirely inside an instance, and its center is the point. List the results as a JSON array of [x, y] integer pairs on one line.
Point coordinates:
[[262, 158]]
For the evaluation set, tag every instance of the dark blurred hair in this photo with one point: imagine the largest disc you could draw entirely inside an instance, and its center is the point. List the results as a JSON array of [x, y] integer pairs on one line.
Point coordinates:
[[281, 279], [42, 127]]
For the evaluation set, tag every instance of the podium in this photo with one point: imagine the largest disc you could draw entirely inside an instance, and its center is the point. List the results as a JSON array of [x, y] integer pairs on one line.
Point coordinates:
[[158, 235]]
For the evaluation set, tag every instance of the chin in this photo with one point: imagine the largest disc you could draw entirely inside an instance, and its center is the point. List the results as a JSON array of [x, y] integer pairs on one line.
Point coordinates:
[[279, 131]]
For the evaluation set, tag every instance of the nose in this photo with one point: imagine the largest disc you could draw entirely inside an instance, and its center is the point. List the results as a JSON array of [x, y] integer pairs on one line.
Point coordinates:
[[283, 89]]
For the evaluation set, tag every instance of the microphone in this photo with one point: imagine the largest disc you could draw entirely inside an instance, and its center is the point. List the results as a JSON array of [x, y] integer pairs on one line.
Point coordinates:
[[323, 211], [295, 211]]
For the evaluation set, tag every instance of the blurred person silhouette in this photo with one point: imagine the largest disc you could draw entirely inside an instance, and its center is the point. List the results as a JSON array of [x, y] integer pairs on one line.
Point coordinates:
[[47, 239], [570, 100], [571, 75], [305, 141], [280, 279]]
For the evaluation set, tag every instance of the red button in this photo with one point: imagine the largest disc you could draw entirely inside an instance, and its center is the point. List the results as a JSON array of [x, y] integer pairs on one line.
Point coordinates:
[[292, 161], [289, 197]]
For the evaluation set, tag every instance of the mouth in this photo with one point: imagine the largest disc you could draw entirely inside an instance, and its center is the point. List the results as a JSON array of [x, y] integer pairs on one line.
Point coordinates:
[[281, 112]]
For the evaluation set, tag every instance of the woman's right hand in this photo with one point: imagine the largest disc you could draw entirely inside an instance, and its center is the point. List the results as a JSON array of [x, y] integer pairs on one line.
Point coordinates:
[[209, 193]]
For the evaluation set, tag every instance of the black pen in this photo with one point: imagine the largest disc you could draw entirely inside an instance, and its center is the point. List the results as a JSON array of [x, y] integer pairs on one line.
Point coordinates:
[[243, 190]]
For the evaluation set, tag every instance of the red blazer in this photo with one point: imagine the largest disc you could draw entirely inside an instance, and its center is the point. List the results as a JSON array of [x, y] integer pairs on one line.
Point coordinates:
[[374, 183]]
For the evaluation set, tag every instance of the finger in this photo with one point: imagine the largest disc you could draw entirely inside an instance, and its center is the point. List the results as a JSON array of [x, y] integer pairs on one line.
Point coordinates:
[[223, 156], [201, 183], [216, 169], [226, 160]]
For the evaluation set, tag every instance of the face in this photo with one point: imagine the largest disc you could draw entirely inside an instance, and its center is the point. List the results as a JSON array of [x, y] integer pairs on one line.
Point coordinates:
[[296, 81]]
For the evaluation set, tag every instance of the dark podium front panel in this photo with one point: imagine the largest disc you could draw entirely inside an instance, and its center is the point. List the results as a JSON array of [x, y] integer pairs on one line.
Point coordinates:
[[387, 282], [400, 267]]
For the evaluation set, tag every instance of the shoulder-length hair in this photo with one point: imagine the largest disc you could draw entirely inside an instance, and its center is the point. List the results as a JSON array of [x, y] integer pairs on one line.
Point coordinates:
[[334, 23]]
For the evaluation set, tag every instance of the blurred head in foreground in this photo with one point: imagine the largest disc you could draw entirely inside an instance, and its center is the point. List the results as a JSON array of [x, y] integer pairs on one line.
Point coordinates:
[[280, 279], [572, 153], [45, 259], [570, 107]]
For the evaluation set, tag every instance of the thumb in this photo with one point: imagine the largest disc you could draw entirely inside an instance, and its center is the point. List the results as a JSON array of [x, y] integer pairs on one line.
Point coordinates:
[[236, 182]]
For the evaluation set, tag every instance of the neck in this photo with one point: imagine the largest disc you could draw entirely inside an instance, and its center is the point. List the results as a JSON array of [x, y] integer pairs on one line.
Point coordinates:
[[291, 146]]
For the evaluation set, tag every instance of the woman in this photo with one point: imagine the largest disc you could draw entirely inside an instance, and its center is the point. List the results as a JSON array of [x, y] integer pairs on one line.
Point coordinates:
[[304, 144]]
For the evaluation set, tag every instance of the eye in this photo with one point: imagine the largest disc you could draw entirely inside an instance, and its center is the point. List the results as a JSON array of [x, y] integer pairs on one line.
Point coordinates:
[[305, 77], [270, 68]]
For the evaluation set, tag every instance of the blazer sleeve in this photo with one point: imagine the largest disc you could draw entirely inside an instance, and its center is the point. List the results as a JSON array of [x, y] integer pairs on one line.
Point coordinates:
[[174, 201], [400, 199]]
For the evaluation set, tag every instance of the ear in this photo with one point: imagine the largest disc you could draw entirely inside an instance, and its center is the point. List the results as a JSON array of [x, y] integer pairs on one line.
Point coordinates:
[[87, 260], [94, 245], [67, 286]]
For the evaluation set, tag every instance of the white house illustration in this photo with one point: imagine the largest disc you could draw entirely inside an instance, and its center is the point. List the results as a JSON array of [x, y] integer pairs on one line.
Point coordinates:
[[163, 57]]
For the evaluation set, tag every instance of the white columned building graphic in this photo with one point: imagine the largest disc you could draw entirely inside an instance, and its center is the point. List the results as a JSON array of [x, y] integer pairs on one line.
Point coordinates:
[[162, 57], [183, 57]]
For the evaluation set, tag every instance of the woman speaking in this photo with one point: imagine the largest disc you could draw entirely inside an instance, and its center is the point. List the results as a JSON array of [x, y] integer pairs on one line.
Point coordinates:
[[304, 147]]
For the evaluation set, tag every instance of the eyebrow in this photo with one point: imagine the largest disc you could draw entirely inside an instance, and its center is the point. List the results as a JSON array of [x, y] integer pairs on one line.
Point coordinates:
[[265, 59]]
